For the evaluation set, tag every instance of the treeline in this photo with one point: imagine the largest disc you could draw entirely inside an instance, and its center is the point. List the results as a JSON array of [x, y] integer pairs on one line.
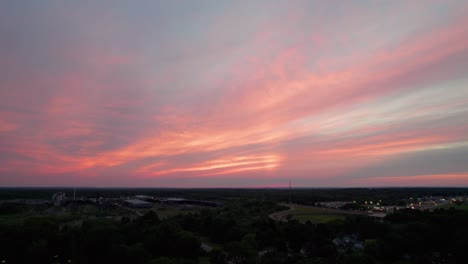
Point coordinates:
[[144, 240], [299, 195], [240, 233], [407, 236]]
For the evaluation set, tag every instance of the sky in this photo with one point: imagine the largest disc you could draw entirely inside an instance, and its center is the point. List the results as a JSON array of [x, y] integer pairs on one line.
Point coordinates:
[[233, 93]]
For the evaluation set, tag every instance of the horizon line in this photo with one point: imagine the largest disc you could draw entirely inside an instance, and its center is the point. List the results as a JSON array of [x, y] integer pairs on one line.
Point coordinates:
[[285, 187]]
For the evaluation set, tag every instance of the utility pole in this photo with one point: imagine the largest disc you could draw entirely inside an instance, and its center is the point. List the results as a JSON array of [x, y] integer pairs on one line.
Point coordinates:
[[290, 193]]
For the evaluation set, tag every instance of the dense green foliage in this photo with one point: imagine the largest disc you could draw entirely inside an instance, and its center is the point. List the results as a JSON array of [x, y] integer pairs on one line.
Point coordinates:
[[144, 240], [239, 233]]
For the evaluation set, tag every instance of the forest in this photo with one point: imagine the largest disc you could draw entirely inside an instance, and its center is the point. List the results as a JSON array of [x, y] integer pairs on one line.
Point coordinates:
[[239, 233]]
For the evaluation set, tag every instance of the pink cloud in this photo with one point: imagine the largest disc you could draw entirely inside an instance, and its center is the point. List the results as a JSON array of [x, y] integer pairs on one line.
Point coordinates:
[[275, 97], [436, 180]]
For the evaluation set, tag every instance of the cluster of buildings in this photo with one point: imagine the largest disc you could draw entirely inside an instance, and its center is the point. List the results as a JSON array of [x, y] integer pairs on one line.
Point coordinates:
[[335, 204], [138, 201], [348, 242], [432, 202], [378, 209], [141, 201]]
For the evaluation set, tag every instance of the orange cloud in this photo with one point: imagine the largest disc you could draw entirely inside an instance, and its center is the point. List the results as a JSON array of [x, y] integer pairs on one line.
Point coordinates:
[[226, 165], [300, 100], [385, 148]]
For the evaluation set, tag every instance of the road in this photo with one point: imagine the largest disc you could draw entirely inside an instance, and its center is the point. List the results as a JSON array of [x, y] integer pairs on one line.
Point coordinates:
[[277, 216]]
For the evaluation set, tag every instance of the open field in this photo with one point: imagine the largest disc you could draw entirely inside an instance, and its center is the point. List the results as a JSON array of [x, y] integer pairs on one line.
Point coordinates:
[[458, 207], [116, 232], [166, 212], [319, 218], [15, 219], [312, 214]]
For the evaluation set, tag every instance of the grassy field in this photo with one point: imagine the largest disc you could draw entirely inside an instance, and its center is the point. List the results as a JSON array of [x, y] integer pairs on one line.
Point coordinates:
[[319, 218], [312, 214], [163, 214], [166, 212], [204, 260], [458, 207], [21, 218]]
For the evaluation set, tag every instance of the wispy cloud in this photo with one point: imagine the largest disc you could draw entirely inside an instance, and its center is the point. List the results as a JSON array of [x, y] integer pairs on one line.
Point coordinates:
[[231, 94]]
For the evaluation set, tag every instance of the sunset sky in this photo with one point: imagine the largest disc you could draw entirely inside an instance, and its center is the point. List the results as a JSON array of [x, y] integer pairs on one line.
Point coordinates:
[[233, 93]]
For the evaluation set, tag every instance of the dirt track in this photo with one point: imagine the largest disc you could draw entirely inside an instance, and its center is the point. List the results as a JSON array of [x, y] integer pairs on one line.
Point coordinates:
[[277, 216]]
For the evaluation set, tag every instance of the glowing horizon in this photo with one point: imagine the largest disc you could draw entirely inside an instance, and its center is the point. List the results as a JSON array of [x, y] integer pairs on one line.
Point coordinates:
[[234, 93]]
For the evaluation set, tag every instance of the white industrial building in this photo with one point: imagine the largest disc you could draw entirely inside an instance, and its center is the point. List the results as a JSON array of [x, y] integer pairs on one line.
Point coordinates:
[[135, 203]]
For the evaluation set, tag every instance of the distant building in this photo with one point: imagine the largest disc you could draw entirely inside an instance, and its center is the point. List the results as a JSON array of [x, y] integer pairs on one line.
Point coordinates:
[[135, 203], [346, 242], [58, 198], [378, 217], [143, 197], [175, 200], [149, 199]]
